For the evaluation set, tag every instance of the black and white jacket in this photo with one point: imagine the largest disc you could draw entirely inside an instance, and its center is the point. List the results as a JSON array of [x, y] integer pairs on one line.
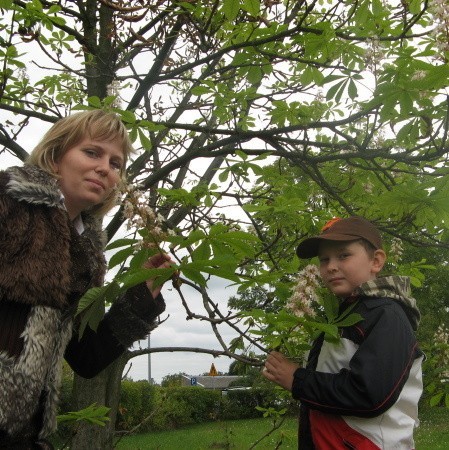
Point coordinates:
[[45, 268], [363, 391]]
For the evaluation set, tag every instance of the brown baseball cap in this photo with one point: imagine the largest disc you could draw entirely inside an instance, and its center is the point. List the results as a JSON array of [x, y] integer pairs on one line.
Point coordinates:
[[337, 229]]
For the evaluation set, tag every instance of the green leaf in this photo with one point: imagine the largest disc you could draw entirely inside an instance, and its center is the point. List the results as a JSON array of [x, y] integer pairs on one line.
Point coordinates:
[[136, 276], [93, 414], [231, 8], [327, 328], [349, 320], [91, 307], [94, 101], [436, 399], [91, 296], [194, 275], [120, 257], [200, 90], [414, 6], [252, 7], [236, 344], [146, 143], [121, 243], [203, 251], [331, 306], [6, 4], [127, 116], [352, 90]]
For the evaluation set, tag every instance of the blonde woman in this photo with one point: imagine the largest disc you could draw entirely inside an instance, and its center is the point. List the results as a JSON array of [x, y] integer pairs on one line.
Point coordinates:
[[51, 253]]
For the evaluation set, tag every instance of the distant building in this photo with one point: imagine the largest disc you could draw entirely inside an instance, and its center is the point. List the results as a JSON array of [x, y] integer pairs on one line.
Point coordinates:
[[220, 382]]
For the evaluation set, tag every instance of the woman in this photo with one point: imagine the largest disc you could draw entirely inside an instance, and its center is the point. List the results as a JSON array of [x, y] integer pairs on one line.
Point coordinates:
[[51, 253]]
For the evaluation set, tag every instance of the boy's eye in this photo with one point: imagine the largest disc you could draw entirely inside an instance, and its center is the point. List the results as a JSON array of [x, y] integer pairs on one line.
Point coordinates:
[[344, 255]]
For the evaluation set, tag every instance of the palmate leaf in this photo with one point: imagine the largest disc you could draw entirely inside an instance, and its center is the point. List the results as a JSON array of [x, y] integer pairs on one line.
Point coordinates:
[[348, 321], [120, 257], [331, 306], [91, 307], [231, 8], [133, 277], [92, 414], [121, 243], [328, 329]]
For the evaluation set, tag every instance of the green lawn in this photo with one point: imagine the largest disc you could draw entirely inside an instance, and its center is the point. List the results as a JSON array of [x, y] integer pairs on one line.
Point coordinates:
[[433, 434]]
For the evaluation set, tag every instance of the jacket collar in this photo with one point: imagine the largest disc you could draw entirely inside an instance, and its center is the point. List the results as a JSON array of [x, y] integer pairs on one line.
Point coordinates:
[[35, 186]]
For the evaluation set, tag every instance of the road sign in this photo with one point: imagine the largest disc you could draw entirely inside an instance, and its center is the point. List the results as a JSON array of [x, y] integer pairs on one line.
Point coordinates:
[[193, 381], [213, 371]]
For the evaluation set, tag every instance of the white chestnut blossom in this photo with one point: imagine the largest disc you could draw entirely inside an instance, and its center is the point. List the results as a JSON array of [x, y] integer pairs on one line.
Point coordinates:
[[396, 250], [140, 215], [304, 291], [113, 89], [440, 10]]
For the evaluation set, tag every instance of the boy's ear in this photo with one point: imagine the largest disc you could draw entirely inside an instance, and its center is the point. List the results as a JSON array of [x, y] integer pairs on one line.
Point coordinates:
[[378, 261]]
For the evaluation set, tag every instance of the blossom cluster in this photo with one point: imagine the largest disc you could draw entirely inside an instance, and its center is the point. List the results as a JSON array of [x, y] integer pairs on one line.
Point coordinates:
[[140, 216], [113, 89], [441, 338], [304, 291], [396, 250], [374, 54], [440, 10]]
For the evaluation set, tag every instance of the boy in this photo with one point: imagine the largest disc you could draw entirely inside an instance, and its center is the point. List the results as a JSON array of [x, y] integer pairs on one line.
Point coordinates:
[[362, 392]]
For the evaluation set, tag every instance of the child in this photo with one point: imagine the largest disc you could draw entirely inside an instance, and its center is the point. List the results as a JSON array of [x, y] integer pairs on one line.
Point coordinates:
[[362, 392]]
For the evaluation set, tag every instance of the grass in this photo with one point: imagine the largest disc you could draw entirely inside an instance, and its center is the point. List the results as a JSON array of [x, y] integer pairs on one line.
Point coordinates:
[[433, 434]]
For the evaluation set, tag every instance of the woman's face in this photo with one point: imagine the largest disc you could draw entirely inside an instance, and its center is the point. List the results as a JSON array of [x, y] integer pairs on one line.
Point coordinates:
[[88, 172]]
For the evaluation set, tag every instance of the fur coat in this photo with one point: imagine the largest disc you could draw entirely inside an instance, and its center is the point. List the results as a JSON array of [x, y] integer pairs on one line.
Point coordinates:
[[45, 268]]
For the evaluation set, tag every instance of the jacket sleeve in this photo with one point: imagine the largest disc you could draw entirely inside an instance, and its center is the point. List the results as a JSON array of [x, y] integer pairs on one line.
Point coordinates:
[[376, 374], [129, 319]]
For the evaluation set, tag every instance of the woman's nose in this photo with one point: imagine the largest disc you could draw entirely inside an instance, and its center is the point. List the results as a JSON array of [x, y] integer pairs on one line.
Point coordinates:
[[102, 167]]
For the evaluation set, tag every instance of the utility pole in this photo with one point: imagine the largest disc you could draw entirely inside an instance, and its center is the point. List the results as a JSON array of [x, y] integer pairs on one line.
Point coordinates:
[[149, 361]]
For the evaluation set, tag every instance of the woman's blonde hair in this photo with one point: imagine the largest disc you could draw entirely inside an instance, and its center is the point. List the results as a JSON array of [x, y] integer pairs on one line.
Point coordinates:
[[66, 133]]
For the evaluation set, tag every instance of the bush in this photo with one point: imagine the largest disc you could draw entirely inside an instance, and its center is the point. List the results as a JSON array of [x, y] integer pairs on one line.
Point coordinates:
[[157, 408], [137, 404], [242, 403], [182, 406]]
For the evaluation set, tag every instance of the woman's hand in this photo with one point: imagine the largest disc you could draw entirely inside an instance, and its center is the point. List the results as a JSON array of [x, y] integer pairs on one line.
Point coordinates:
[[280, 370], [158, 261]]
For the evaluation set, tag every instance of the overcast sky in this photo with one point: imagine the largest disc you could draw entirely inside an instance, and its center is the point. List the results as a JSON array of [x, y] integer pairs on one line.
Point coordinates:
[[176, 331]]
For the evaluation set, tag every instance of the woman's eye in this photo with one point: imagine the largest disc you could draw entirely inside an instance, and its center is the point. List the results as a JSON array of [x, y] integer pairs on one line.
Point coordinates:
[[116, 165], [91, 153]]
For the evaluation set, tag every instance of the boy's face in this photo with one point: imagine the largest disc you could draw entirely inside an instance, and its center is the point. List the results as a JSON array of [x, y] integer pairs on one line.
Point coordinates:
[[345, 265]]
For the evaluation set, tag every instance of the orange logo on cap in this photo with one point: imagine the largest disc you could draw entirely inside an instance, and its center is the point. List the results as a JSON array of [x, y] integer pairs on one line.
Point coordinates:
[[329, 223]]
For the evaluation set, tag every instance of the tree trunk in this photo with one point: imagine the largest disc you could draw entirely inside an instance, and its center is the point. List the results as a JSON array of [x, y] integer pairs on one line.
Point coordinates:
[[104, 389]]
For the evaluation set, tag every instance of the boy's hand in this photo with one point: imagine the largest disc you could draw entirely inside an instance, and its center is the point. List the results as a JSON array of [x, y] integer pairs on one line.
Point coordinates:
[[158, 261], [280, 370]]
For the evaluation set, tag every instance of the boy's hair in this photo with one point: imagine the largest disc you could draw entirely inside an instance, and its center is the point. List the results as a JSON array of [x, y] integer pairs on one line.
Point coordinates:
[[351, 229], [71, 130], [369, 248]]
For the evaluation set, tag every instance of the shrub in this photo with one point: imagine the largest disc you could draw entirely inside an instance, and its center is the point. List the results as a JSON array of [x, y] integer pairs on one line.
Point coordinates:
[[137, 404], [184, 406]]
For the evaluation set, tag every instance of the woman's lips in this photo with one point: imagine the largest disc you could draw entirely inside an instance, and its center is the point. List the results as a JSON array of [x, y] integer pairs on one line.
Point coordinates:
[[97, 182]]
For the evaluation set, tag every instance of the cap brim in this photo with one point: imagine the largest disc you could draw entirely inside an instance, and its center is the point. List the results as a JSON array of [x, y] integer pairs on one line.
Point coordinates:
[[309, 247]]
